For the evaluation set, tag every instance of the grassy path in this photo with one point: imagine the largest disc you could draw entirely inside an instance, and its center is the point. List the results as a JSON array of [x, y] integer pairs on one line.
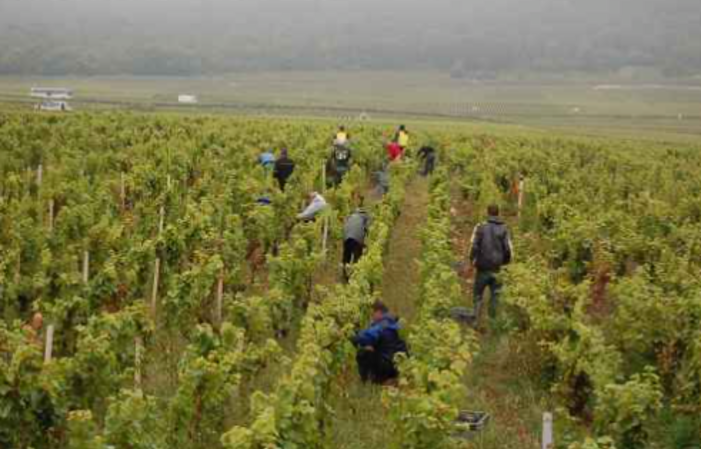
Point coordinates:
[[400, 288], [360, 421], [499, 380]]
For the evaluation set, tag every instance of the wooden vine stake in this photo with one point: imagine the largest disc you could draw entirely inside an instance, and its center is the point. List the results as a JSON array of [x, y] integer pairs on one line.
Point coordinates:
[[220, 298], [86, 267], [323, 178], [138, 356], [51, 215], [156, 279], [326, 235], [162, 221], [49, 347], [548, 441], [123, 192], [40, 174], [28, 180], [521, 192]]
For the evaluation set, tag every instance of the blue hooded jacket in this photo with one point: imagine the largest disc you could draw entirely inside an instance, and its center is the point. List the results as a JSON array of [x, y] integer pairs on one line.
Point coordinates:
[[383, 336]]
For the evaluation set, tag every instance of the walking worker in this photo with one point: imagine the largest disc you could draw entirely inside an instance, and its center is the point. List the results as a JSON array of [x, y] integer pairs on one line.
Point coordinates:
[[341, 162], [267, 159], [491, 249], [284, 167], [377, 346], [355, 230], [317, 204], [428, 154]]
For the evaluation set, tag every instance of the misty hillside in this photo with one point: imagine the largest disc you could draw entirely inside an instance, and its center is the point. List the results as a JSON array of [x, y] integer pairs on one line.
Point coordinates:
[[467, 37]]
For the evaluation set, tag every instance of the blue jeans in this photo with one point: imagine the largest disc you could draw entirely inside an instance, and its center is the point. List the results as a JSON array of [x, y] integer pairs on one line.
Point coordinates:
[[484, 279]]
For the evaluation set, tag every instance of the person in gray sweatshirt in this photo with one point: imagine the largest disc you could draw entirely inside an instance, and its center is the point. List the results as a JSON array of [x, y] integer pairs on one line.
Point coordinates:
[[355, 231]]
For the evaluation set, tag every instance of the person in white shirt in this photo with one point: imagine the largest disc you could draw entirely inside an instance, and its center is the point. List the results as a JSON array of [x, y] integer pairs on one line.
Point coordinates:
[[317, 204]]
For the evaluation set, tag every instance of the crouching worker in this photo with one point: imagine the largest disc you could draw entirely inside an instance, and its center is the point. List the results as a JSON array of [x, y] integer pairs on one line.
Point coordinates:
[[317, 204], [377, 345]]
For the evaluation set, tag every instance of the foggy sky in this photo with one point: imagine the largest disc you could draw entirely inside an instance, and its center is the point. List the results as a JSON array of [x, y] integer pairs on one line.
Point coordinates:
[[108, 35]]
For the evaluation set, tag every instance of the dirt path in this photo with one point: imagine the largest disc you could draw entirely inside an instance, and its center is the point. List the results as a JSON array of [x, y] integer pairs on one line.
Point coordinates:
[[360, 420]]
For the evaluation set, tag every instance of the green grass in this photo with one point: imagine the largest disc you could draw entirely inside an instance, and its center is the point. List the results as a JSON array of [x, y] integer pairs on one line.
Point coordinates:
[[571, 107]]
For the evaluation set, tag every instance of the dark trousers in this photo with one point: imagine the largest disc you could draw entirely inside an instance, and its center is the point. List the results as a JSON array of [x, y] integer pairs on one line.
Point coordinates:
[[429, 165], [339, 174], [282, 182], [373, 367], [484, 279], [352, 252]]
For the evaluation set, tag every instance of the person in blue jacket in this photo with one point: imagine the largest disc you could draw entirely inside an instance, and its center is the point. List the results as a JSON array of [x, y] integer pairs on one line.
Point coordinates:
[[377, 345], [267, 159]]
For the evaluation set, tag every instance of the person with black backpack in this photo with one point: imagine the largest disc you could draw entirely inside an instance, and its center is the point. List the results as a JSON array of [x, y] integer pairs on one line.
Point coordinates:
[[378, 345], [491, 249], [341, 161]]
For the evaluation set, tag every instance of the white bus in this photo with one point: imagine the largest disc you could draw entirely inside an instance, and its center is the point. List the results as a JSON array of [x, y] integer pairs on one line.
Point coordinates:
[[51, 93], [188, 99], [52, 98]]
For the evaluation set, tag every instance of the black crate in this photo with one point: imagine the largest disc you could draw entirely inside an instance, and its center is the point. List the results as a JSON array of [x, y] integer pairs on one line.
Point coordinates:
[[469, 424]]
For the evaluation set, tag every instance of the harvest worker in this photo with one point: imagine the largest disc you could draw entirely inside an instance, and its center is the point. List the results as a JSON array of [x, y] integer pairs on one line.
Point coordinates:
[[377, 345], [342, 136], [394, 151], [340, 160], [354, 232], [317, 204], [267, 159], [284, 167], [402, 137], [428, 154], [491, 249], [34, 327]]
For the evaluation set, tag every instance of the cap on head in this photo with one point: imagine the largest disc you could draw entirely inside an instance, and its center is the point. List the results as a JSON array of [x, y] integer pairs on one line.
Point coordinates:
[[493, 210]]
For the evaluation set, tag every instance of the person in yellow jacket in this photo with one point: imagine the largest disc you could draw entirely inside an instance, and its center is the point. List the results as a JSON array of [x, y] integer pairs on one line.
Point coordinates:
[[342, 136], [402, 137]]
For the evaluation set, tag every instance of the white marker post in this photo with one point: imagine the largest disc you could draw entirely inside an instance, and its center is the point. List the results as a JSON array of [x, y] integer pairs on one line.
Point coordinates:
[[40, 174], [548, 441], [49, 348]]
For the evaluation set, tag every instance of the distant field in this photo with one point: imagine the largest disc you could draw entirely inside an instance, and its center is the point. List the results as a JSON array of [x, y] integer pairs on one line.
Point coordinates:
[[641, 110]]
